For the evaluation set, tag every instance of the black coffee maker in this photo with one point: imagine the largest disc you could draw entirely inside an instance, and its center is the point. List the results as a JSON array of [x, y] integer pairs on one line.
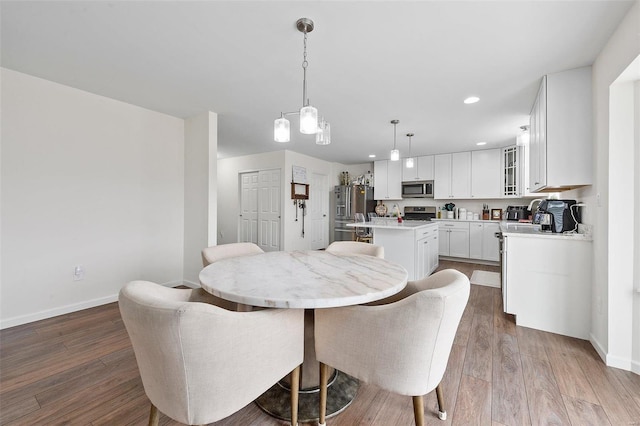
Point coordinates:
[[557, 215]]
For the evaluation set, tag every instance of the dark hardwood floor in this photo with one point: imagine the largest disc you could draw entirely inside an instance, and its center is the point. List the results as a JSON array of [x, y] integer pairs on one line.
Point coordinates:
[[79, 369]]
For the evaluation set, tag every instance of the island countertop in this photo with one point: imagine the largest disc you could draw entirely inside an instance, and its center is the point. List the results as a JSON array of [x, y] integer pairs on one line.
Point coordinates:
[[393, 224]]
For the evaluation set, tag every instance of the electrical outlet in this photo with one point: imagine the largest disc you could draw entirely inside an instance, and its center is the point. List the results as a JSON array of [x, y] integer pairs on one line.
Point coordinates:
[[78, 273]]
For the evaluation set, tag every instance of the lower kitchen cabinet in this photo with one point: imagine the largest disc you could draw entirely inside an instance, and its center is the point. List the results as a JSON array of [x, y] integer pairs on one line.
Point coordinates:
[[414, 247], [426, 251], [546, 283], [453, 238], [469, 239], [483, 243]]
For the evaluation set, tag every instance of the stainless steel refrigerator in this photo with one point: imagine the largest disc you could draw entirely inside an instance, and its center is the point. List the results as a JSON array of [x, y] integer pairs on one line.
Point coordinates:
[[347, 201]]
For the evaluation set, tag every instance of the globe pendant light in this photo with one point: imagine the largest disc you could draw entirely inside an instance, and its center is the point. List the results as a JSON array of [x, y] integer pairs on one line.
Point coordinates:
[[408, 163], [395, 154], [309, 124]]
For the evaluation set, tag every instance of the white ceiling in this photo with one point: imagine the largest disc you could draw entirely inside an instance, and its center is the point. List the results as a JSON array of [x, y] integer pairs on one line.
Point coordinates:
[[369, 62]]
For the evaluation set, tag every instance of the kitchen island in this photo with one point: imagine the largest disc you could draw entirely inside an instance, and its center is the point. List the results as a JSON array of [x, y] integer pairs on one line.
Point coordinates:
[[546, 279], [412, 244]]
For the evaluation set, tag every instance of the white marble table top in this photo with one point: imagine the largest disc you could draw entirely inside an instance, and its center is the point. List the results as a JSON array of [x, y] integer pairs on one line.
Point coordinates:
[[303, 279]]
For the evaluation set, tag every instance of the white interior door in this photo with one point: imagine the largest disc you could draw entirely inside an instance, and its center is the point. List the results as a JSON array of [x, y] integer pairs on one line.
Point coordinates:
[[269, 210], [248, 220], [318, 211]]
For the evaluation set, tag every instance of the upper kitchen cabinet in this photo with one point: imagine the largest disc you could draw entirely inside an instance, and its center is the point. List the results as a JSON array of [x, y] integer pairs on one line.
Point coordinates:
[[560, 132], [387, 180], [422, 169], [452, 175], [485, 173]]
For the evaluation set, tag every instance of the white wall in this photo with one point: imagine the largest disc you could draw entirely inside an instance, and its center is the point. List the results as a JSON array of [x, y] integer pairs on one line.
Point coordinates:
[[229, 191], [200, 192], [621, 49], [635, 356], [293, 239], [86, 180]]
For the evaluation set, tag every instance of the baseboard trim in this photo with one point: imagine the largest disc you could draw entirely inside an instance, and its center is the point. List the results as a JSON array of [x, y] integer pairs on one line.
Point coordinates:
[[635, 367], [50, 313], [190, 284], [619, 362], [74, 307], [598, 347]]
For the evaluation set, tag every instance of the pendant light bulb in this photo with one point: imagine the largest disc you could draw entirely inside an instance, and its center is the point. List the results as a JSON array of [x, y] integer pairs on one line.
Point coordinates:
[[323, 137], [308, 120], [409, 161], [395, 154], [281, 130]]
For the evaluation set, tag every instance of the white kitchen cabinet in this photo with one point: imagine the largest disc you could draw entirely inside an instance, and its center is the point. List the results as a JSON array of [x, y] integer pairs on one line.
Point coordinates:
[[485, 173], [560, 156], [422, 169], [452, 175], [511, 166], [475, 240], [426, 251], [387, 180], [453, 238], [490, 244], [551, 291], [483, 243], [413, 247]]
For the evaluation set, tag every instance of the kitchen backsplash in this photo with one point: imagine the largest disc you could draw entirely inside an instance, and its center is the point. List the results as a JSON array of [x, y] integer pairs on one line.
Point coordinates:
[[471, 205]]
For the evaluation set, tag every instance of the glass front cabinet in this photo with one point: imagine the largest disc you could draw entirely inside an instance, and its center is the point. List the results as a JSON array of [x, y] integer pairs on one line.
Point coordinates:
[[510, 166]]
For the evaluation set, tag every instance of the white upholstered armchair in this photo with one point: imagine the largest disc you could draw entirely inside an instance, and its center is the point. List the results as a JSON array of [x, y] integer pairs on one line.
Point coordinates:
[[401, 344], [356, 247], [200, 363], [224, 251]]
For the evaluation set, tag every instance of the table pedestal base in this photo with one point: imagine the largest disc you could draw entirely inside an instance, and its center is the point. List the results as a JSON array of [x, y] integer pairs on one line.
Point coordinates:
[[341, 391]]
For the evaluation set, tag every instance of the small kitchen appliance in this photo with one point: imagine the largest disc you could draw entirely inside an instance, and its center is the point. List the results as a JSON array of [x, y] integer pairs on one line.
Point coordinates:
[[517, 213], [557, 215], [419, 213]]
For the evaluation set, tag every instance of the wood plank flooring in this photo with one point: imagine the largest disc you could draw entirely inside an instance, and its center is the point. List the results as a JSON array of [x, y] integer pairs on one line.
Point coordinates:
[[79, 369]]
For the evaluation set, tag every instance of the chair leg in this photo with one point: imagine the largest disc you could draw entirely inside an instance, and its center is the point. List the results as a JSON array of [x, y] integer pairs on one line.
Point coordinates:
[[295, 387], [418, 410], [154, 416], [324, 373], [442, 413]]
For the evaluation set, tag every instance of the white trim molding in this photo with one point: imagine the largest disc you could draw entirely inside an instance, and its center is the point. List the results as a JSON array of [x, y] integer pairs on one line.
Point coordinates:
[[74, 307], [598, 347]]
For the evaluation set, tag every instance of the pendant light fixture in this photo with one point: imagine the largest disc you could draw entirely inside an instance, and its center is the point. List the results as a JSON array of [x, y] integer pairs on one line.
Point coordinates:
[[408, 163], [309, 123], [395, 154]]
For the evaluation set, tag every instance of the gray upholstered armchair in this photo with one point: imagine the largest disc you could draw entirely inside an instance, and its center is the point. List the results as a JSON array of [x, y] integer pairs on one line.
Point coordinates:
[[356, 247], [401, 344], [200, 363]]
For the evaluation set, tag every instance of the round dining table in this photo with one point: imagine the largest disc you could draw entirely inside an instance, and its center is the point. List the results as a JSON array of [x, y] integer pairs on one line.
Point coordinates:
[[309, 280]]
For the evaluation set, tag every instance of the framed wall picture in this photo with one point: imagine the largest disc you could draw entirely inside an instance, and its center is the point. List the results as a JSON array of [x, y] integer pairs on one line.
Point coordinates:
[[299, 191], [496, 214]]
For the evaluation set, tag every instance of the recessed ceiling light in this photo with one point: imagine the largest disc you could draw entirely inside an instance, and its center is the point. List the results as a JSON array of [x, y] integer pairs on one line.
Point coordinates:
[[481, 143], [471, 100], [372, 156]]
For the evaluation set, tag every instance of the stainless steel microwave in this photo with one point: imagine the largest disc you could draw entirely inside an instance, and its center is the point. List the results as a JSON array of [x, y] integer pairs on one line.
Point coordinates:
[[418, 189]]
